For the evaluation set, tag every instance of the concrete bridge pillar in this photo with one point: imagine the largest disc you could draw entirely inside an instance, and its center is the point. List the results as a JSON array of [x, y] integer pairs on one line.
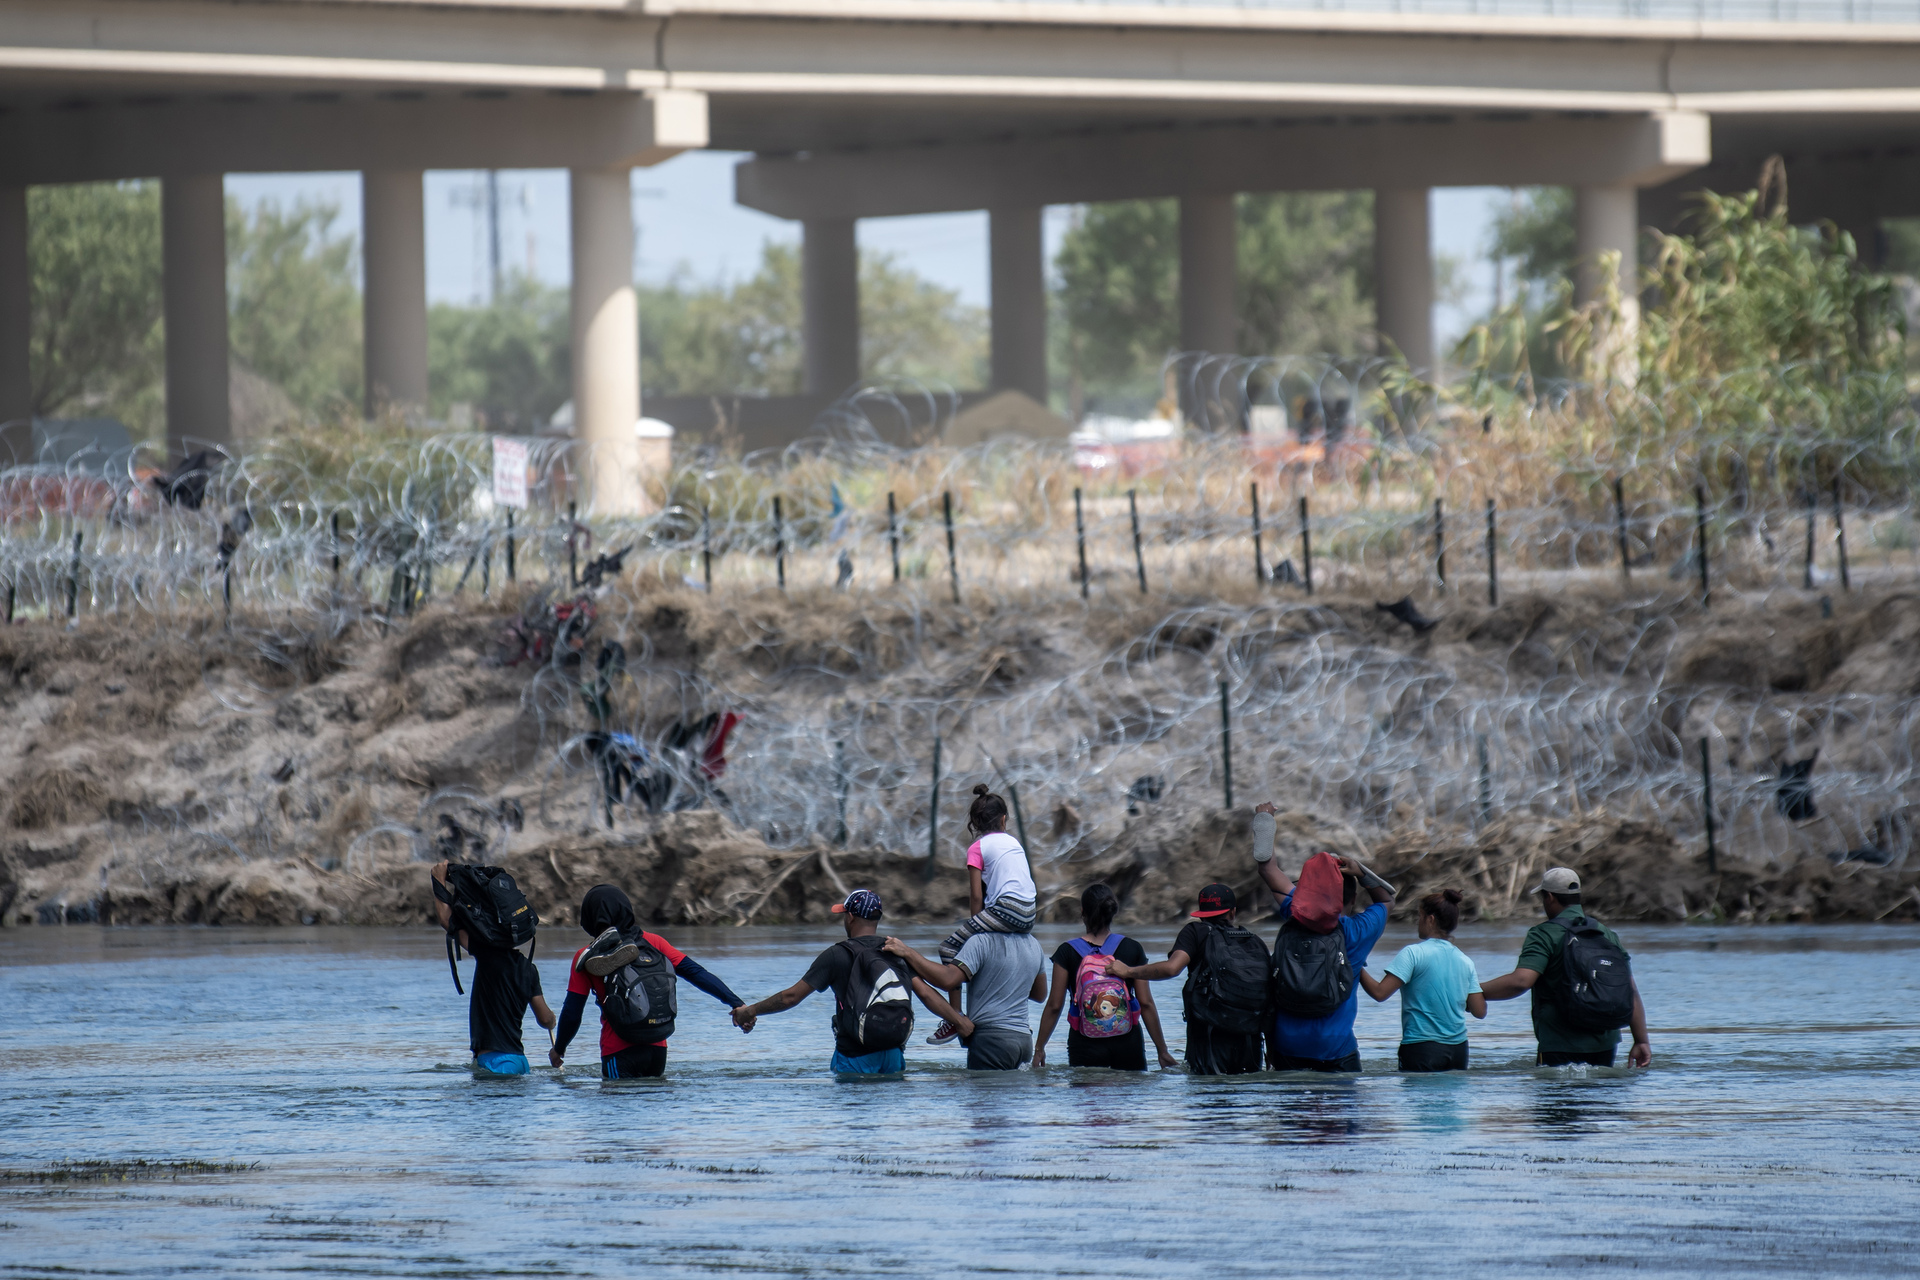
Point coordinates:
[[1403, 273], [606, 341], [830, 305], [394, 302], [1606, 219], [193, 272], [16, 329], [1209, 265], [1017, 272]]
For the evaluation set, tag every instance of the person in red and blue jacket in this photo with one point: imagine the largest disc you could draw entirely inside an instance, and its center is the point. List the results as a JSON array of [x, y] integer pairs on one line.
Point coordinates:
[[606, 907]]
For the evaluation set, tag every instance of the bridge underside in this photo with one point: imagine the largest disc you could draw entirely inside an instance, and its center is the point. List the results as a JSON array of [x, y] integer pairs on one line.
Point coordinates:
[[861, 108]]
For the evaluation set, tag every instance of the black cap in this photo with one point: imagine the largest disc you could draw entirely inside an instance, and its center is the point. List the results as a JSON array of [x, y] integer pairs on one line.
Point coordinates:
[[1216, 900]]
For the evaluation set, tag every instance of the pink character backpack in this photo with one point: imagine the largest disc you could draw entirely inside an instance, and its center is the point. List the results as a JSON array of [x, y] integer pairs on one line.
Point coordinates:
[[1103, 1006]]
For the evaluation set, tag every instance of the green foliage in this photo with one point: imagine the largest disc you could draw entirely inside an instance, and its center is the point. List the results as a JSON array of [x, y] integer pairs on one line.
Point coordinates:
[[911, 328], [1536, 227], [1748, 292], [97, 345], [99, 342], [1305, 282], [294, 302], [1306, 272], [742, 338], [509, 359], [745, 338], [1119, 273]]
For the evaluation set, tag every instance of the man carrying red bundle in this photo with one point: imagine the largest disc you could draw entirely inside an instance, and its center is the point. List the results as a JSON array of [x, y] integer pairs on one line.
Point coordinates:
[[1322, 948]]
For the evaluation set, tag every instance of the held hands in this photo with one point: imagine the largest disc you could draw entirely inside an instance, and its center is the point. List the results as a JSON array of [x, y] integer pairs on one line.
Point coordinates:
[[744, 1018]]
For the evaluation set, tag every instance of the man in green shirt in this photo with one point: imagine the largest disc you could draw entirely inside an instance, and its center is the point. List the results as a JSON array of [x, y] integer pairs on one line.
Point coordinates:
[[1538, 970]]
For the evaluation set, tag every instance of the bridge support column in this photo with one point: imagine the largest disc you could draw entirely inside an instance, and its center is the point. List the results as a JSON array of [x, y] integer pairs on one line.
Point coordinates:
[[830, 304], [1403, 272], [606, 341], [193, 273], [1209, 265], [16, 329], [394, 306], [1017, 272], [1607, 220]]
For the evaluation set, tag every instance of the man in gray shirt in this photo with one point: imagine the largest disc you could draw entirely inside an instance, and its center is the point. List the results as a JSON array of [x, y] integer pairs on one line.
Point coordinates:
[[1003, 973]]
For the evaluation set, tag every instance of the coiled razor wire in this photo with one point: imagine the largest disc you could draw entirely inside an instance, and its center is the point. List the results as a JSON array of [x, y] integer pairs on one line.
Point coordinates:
[[1320, 713]]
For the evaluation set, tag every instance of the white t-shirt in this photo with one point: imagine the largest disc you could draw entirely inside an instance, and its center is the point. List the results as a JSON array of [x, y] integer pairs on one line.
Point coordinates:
[[1003, 867]]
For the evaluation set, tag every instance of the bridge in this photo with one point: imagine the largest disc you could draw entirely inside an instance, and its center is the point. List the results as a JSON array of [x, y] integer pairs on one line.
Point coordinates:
[[865, 108]]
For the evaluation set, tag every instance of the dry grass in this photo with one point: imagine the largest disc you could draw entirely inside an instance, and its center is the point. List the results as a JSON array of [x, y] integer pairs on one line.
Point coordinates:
[[55, 796]]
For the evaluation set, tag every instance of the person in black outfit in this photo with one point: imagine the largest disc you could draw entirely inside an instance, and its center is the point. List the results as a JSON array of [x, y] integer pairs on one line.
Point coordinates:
[[504, 984], [1210, 1050], [1123, 1052]]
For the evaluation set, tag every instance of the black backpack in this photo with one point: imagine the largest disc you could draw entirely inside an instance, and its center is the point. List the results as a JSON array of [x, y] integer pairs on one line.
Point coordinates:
[[878, 1011], [1230, 990], [488, 905], [641, 1000], [1311, 973], [1594, 991]]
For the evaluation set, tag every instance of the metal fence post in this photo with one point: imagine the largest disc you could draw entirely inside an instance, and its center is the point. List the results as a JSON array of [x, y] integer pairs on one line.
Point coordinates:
[[1226, 745], [1080, 534], [1139, 556], [1493, 561], [1306, 549], [1620, 527]]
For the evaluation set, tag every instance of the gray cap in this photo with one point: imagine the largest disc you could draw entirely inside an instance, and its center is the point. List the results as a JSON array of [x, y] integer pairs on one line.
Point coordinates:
[[1561, 882]]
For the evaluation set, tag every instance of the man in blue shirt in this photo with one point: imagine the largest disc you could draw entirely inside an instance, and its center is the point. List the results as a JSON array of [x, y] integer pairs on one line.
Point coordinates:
[[1322, 1044]]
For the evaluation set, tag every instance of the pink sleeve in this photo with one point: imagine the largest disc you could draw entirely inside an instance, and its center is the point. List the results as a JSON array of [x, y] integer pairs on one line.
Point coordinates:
[[973, 856]]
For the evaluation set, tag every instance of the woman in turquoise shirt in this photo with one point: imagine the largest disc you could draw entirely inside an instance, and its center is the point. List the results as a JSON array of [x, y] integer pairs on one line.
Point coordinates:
[[1438, 989]]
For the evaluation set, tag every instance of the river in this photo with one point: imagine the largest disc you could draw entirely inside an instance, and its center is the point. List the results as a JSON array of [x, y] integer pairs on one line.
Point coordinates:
[[321, 1075]]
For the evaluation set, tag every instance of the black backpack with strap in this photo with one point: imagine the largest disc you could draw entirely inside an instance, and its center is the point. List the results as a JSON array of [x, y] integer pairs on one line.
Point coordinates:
[[1311, 973], [877, 1012], [640, 1000], [1230, 989], [487, 905], [1594, 988]]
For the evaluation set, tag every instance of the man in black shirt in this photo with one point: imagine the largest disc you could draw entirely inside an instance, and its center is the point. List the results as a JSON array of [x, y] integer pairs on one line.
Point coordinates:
[[1211, 1049], [504, 984], [835, 969]]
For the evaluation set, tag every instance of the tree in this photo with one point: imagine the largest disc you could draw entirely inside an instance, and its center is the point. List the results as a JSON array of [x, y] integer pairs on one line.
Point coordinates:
[[743, 338], [509, 359], [294, 301], [97, 344], [1536, 227], [913, 329], [1305, 282], [746, 338]]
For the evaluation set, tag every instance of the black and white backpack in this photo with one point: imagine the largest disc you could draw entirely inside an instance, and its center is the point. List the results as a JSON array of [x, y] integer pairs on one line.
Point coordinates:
[[878, 1012], [1595, 987]]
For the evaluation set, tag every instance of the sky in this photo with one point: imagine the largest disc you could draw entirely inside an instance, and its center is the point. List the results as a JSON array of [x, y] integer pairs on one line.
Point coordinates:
[[687, 221]]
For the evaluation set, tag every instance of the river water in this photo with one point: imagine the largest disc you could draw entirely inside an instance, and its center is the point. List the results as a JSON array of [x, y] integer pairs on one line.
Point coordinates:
[[1777, 1134]]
